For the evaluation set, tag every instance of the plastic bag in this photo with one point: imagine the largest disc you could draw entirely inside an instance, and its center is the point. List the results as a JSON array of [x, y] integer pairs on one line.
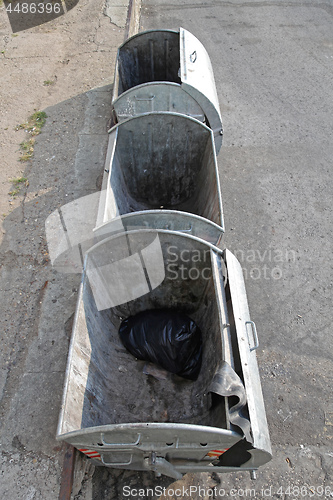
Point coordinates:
[[166, 337]]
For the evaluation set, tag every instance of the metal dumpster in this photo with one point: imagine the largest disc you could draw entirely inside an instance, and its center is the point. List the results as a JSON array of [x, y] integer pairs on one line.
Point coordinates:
[[161, 172], [165, 70], [122, 418]]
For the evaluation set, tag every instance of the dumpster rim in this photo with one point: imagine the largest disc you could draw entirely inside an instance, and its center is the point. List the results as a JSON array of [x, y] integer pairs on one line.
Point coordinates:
[[124, 94], [213, 247], [161, 211], [148, 425], [142, 33], [167, 113]]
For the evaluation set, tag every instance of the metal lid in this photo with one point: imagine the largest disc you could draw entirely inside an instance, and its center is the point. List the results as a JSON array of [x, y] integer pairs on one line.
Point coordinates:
[[198, 80]]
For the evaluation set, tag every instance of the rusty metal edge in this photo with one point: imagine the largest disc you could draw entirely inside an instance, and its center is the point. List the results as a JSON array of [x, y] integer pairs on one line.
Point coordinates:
[[67, 475], [133, 18]]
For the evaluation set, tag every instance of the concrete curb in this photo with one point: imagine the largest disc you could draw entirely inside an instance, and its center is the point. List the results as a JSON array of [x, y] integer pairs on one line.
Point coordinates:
[[133, 18]]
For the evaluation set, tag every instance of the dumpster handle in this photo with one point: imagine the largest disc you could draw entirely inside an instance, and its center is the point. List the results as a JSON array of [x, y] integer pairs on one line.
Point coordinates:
[[116, 463], [150, 98], [120, 445], [189, 230], [193, 57], [255, 335]]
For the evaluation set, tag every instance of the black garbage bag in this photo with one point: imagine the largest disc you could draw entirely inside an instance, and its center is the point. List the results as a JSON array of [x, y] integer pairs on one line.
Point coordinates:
[[166, 337]]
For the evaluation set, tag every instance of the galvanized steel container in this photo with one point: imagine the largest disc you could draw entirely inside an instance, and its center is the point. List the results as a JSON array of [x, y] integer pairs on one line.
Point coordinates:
[[122, 418], [165, 70]]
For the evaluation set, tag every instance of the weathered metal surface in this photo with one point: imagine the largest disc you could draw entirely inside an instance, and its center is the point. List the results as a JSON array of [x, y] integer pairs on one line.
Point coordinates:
[[147, 57], [67, 474], [156, 96], [125, 419], [165, 70], [173, 220]]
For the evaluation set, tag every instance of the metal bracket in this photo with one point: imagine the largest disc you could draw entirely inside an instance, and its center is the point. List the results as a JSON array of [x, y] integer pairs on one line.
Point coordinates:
[[162, 466]]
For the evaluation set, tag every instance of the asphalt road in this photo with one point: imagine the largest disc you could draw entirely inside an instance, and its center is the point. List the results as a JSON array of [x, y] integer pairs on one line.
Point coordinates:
[[272, 63]]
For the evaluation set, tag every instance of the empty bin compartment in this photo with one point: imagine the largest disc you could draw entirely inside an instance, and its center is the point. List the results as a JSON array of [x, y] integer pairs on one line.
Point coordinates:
[[165, 70], [161, 172]]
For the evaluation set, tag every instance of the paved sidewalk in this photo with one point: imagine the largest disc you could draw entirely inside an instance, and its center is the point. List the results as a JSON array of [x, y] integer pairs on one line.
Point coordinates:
[[75, 55]]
